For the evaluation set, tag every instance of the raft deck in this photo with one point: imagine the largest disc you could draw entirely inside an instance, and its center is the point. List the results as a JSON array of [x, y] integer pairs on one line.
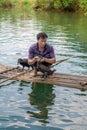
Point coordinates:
[[60, 79]]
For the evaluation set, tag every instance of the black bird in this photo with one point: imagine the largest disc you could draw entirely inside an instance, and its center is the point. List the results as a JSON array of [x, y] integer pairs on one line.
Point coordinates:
[[44, 69], [24, 62]]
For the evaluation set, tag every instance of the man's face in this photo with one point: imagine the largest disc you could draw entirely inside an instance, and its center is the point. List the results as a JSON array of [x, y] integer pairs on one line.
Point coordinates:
[[42, 42]]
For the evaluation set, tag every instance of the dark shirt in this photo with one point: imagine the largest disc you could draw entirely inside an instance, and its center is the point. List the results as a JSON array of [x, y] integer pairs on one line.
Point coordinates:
[[47, 53]]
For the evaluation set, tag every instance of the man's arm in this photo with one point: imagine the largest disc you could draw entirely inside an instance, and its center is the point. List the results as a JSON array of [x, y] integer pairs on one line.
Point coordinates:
[[51, 60], [37, 59], [33, 60], [48, 60]]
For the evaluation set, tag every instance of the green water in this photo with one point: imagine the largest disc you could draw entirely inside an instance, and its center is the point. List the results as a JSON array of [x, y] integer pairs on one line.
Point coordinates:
[[40, 106]]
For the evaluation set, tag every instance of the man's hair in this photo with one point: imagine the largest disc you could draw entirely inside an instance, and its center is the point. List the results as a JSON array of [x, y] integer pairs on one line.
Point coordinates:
[[41, 35]]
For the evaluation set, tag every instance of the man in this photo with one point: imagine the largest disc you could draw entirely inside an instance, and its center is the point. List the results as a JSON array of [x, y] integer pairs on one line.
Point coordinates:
[[41, 51]]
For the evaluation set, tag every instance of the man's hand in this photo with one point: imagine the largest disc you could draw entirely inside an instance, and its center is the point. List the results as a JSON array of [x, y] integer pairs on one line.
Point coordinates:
[[42, 59], [39, 59]]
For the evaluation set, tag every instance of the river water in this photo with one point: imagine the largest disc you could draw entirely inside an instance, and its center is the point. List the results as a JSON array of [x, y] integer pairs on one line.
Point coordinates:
[[40, 106]]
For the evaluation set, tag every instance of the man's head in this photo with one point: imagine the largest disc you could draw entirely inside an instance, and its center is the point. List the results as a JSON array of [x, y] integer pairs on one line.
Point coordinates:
[[41, 39], [41, 35]]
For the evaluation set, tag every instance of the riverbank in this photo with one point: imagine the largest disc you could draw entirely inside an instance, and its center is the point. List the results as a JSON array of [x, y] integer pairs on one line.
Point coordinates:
[[8, 4], [58, 6]]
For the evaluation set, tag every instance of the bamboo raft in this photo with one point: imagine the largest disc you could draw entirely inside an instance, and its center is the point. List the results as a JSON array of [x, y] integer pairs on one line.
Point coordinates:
[[66, 80]]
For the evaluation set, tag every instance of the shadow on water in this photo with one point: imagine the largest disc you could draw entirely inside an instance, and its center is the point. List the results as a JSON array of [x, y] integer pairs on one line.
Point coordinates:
[[41, 98]]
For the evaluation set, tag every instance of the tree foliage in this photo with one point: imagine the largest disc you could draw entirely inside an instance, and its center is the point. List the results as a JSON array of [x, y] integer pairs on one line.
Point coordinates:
[[64, 5], [2, 2]]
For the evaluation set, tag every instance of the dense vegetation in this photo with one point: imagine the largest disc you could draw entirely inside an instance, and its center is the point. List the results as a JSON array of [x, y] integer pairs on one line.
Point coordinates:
[[63, 5], [20, 4]]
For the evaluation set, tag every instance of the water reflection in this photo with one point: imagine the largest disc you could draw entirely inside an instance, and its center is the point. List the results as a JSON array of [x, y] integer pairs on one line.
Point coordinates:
[[41, 98], [8, 84]]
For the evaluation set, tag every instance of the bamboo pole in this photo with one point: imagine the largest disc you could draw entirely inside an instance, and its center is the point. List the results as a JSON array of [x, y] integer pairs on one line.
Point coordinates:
[[14, 76], [60, 61], [4, 71]]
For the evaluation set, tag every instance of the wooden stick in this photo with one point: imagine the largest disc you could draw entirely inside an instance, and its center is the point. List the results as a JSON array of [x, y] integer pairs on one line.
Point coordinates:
[[35, 71], [60, 61], [4, 71], [14, 76]]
